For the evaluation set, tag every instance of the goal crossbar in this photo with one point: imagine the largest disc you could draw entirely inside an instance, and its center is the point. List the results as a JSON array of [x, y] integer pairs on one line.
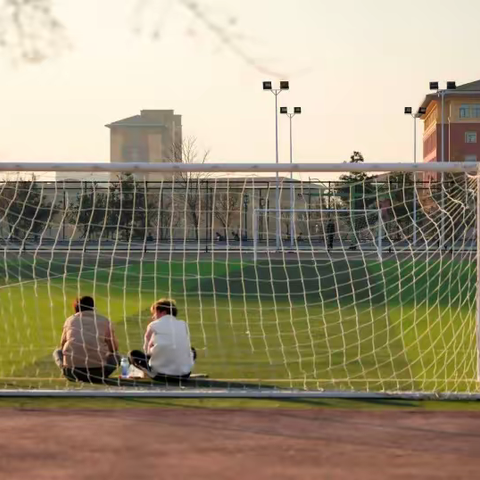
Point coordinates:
[[144, 167]]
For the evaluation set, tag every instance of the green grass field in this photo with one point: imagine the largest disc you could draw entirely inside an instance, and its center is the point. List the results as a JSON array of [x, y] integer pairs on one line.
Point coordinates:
[[348, 324]]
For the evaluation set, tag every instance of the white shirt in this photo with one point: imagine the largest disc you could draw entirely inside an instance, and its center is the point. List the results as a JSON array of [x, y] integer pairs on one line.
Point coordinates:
[[167, 341]]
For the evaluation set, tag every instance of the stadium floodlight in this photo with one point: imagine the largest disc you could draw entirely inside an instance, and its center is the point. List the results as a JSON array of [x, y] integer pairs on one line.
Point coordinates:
[[451, 85], [296, 111], [284, 85], [409, 111], [433, 85]]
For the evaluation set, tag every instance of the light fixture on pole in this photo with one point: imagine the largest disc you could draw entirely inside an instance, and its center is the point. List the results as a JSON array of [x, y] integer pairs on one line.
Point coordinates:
[[409, 111], [296, 111], [268, 86]]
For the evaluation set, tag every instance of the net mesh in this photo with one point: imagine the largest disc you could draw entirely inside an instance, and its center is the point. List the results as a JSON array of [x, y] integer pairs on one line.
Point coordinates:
[[371, 287]]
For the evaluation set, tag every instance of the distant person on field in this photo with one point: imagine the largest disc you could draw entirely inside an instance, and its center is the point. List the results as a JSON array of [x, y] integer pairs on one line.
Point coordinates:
[[167, 350], [88, 348], [330, 233]]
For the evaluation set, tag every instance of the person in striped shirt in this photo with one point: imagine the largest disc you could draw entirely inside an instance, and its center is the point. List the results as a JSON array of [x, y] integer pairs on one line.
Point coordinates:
[[88, 348]]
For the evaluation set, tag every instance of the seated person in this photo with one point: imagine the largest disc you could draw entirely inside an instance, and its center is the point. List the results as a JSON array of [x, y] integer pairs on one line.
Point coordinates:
[[88, 349], [167, 348]]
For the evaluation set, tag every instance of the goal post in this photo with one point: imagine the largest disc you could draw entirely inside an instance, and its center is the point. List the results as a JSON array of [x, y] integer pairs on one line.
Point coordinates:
[[370, 287], [348, 229]]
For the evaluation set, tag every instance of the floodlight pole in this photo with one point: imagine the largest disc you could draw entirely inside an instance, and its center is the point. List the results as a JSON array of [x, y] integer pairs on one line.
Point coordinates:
[[415, 228], [276, 92], [297, 111], [442, 183], [292, 214]]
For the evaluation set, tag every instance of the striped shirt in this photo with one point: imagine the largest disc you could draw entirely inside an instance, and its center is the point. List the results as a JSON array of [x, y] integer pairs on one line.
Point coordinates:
[[88, 339]]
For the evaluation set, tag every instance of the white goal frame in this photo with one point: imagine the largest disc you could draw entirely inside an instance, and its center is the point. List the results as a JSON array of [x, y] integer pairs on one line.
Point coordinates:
[[258, 211], [213, 169]]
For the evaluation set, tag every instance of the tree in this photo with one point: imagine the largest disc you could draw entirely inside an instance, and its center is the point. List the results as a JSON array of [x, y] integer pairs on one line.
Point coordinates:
[[357, 192], [129, 213], [227, 204], [190, 194], [162, 214], [399, 192], [355, 177], [27, 211], [89, 211], [356, 189]]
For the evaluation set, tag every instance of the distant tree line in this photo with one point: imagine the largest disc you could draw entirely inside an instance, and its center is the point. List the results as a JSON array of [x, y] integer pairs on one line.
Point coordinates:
[[190, 204]]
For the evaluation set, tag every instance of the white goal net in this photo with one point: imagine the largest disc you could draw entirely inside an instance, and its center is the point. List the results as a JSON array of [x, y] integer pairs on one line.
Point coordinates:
[[361, 284]]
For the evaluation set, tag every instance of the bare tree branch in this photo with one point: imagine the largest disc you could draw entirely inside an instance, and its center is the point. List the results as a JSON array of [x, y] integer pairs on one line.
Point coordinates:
[[227, 204], [224, 31], [29, 30], [191, 197], [224, 34]]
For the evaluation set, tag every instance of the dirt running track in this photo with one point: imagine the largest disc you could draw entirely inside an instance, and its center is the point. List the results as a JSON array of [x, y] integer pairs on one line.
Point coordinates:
[[200, 444]]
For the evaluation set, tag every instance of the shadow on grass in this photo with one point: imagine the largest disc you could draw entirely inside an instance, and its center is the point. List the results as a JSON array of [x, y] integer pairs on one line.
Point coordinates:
[[390, 402], [277, 403], [347, 403], [193, 383]]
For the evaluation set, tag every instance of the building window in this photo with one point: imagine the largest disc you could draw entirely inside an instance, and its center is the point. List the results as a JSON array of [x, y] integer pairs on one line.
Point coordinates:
[[470, 111], [134, 154], [465, 111], [470, 158], [470, 137]]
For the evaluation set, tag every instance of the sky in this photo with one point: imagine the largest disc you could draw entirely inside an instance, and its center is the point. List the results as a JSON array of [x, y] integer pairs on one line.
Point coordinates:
[[353, 65]]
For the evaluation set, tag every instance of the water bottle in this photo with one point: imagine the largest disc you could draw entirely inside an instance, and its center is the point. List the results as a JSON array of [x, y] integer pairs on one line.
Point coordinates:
[[125, 365]]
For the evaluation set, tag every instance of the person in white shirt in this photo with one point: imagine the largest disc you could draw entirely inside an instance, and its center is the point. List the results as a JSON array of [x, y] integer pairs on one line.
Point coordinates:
[[167, 350]]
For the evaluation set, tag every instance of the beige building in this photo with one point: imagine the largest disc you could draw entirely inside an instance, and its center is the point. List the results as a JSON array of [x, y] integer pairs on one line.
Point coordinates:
[[154, 136]]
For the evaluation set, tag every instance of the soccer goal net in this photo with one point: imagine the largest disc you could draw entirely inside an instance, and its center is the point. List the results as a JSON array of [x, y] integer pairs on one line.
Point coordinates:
[[333, 282]]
